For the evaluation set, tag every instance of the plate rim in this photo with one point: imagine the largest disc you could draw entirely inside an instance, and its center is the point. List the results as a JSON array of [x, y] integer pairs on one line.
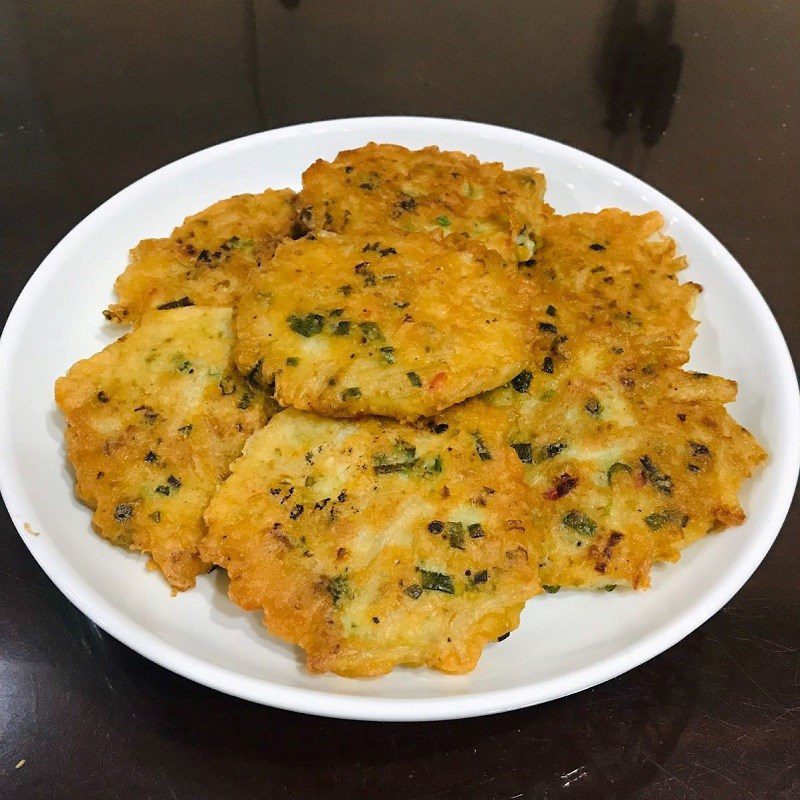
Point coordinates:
[[323, 702]]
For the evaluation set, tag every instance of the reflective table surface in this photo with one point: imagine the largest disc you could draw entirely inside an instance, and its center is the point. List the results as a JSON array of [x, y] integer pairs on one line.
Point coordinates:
[[700, 99]]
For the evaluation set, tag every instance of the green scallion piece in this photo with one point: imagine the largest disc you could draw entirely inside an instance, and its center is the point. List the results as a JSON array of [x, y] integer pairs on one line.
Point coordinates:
[[309, 325], [580, 522], [436, 582]]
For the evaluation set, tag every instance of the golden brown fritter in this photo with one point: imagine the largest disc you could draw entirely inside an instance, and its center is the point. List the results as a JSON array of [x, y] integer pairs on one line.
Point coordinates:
[[630, 458], [373, 544], [207, 260], [616, 273], [386, 323], [422, 190], [153, 423], [626, 467]]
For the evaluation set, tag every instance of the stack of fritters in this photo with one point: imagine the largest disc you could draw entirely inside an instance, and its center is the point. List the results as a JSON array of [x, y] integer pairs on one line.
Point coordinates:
[[482, 399]]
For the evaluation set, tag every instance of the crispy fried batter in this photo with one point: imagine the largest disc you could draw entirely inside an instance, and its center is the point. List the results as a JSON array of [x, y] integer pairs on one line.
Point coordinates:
[[617, 272], [626, 467], [153, 423], [423, 190], [373, 544], [386, 323], [208, 259], [630, 458]]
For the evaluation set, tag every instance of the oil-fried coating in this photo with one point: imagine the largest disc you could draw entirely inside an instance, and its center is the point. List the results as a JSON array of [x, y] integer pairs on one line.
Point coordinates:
[[386, 323], [372, 544], [627, 467], [207, 260], [153, 423], [617, 272], [422, 190], [629, 457]]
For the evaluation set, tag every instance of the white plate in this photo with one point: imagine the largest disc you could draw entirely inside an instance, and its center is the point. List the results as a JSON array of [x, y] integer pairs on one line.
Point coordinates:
[[566, 642]]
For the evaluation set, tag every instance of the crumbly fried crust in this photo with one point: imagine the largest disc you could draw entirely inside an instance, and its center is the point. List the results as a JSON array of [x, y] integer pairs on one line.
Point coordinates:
[[422, 190], [153, 423], [372, 544], [208, 260], [385, 323]]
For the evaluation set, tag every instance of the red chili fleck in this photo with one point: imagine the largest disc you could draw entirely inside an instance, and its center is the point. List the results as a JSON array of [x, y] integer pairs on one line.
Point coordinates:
[[640, 479], [438, 381], [562, 485]]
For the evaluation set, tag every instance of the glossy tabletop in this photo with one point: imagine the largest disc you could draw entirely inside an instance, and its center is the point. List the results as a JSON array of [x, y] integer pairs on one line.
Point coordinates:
[[701, 99]]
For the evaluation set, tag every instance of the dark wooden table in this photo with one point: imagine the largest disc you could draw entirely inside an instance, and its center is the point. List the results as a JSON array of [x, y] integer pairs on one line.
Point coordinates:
[[700, 99]]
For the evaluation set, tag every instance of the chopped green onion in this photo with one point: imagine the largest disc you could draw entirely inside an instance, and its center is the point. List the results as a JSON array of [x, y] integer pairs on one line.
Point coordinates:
[[657, 520], [455, 532], [183, 302], [522, 382], [309, 325], [432, 465], [661, 481], [480, 447], [404, 457], [524, 451], [476, 531], [580, 522], [436, 582], [255, 375], [339, 589], [550, 451], [371, 331], [388, 354]]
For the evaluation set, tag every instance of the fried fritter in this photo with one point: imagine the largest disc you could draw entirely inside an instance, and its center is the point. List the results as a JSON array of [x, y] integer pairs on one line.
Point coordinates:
[[626, 467], [386, 323], [630, 458], [373, 544], [615, 272], [207, 260], [421, 190], [153, 423]]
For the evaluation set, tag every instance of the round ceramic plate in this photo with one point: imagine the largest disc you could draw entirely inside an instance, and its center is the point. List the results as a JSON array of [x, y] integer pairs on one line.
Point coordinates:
[[566, 642]]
